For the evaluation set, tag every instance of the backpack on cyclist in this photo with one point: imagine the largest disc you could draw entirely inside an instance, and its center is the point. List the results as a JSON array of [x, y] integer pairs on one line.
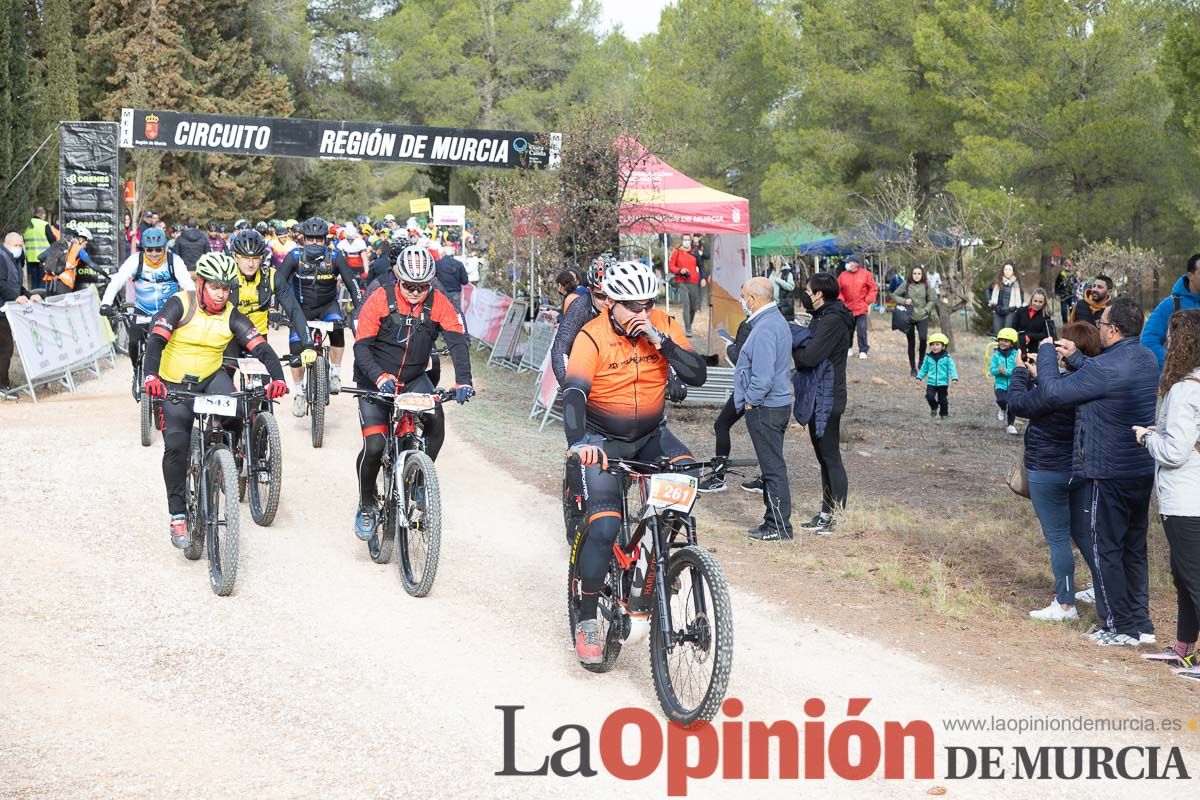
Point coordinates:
[[54, 259]]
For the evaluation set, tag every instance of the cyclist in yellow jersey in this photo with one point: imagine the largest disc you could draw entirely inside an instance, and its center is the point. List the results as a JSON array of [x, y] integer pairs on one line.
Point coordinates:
[[259, 287], [184, 350]]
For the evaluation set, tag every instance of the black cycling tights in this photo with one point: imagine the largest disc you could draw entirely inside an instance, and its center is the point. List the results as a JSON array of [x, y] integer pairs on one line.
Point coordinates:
[[375, 419], [603, 493], [724, 423], [828, 449], [177, 433]]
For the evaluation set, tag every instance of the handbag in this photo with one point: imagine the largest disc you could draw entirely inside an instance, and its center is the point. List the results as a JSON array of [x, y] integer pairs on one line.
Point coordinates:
[[901, 318], [1018, 476]]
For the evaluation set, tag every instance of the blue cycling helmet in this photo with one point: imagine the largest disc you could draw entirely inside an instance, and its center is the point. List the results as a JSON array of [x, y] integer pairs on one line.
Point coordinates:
[[154, 237]]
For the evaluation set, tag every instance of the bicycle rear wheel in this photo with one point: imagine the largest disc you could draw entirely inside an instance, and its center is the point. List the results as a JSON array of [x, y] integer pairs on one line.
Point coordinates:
[[420, 542], [318, 387], [691, 661], [221, 515], [381, 544], [195, 546], [612, 620], [265, 469]]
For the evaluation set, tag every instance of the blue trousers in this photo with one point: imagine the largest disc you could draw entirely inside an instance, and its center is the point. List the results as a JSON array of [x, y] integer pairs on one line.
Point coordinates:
[[1060, 512]]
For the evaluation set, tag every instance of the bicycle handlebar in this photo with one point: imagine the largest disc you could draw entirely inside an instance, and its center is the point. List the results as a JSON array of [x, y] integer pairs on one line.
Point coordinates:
[[442, 395], [619, 465], [179, 395]]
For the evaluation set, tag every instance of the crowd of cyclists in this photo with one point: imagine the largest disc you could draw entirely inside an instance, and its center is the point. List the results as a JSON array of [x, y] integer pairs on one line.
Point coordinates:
[[203, 299]]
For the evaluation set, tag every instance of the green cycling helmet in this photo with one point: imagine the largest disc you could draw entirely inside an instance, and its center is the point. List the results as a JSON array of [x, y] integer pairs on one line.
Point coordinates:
[[217, 268]]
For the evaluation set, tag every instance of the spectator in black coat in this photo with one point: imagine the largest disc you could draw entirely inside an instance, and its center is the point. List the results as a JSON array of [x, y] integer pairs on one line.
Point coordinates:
[[1049, 442], [1034, 323], [832, 326], [451, 277], [10, 290], [191, 244]]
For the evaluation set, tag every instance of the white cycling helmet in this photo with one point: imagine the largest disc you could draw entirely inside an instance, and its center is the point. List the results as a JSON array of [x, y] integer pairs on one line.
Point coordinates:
[[630, 280], [415, 265], [83, 233]]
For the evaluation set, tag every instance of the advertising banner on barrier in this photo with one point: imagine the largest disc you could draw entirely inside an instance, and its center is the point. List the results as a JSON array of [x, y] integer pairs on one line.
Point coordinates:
[[730, 269], [483, 311], [89, 164], [355, 141], [547, 384], [56, 334]]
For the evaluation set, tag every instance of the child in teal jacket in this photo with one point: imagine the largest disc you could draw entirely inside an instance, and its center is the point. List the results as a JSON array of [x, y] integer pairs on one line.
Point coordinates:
[[1004, 361], [940, 369]]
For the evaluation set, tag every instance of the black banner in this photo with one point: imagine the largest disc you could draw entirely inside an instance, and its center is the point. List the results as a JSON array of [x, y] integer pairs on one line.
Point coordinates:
[[356, 141], [89, 163]]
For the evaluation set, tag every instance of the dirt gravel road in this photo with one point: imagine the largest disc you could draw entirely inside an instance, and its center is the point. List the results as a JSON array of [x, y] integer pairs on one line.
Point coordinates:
[[122, 675]]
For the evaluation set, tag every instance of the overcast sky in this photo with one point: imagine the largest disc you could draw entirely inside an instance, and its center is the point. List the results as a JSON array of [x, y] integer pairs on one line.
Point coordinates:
[[636, 17]]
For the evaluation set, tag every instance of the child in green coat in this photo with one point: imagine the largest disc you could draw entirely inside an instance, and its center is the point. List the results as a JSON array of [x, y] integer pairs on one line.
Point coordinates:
[[1004, 361], [940, 369]]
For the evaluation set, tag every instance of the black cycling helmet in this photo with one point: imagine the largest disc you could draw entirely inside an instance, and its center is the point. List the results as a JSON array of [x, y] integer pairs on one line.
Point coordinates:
[[212, 226], [595, 272], [262, 228], [314, 228], [295, 230], [248, 243]]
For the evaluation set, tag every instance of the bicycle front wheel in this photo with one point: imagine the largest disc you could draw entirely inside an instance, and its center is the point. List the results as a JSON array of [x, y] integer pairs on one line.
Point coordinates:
[[421, 542], [318, 399], [265, 469], [691, 658], [146, 410], [221, 516]]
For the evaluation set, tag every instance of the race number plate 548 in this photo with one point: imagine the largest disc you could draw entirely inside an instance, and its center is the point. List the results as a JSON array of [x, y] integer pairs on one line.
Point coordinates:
[[219, 404], [673, 492]]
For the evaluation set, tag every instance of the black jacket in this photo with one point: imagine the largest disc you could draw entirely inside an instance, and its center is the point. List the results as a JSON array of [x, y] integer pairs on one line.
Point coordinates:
[[1031, 330], [832, 325], [190, 245], [451, 274], [1051, 433], [10, 281]]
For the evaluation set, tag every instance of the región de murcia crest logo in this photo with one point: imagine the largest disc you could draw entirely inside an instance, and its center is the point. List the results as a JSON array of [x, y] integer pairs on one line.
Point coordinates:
[[152, 126]]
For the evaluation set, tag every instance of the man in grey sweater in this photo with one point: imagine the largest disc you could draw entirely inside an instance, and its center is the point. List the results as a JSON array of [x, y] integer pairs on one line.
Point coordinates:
[[762, 386]]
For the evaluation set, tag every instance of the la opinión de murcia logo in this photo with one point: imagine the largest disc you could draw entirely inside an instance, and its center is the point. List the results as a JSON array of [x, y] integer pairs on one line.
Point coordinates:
[[852, 749]]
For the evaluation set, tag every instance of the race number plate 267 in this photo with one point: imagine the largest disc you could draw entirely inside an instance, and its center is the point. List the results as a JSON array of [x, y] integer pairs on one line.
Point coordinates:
[[673, 492], [219, 404]]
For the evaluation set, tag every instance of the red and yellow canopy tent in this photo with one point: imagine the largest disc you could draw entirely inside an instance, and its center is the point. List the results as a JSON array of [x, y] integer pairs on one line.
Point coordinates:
[[660, 200]]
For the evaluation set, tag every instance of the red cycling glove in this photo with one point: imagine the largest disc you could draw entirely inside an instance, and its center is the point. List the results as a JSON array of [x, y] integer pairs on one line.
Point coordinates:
[[276, 390]]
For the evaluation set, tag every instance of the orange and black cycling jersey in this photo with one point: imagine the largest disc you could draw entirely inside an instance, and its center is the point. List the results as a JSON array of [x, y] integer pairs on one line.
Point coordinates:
[[616, 386], [397, 338]]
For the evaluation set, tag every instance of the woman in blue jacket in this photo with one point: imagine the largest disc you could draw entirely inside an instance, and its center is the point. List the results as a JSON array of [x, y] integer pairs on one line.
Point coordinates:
[[1048, 442]]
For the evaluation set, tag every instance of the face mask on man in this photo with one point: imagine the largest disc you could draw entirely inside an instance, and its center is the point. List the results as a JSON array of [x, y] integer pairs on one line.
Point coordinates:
[[16, 251], [745, 308], [686, 244], [806, 301]]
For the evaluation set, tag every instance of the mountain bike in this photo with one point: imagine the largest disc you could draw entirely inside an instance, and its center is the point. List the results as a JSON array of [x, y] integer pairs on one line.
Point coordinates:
[[123, 319], [407, 492], [213, 513], [258, 454], [316, 384], [660, 579]]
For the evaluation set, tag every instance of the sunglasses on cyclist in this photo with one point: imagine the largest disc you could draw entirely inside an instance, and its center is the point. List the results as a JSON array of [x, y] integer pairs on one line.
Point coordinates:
[[414, 288], [637, 306], [155, 249]]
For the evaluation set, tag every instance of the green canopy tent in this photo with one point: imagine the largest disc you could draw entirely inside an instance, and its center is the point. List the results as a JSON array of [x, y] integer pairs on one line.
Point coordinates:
[[786, 240]]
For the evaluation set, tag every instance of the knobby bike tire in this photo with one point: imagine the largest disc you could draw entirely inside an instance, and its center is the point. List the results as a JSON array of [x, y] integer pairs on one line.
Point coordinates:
[[265, 469], [717, 620], [381, 544], [427, 533], [121, 336], [608, 604], [195, 546], [146, 411], [221, 506], [319, 399]]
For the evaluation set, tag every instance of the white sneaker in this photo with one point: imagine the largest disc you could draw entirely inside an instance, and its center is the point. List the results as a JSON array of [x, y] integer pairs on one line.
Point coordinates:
[[850, 353], [1000, 414], [335, 383], [1099, 634], [299, 406], [1012, 429], [862, 356], [1088, 595], [1147, 638], [1054, 613], [1111, 639]]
